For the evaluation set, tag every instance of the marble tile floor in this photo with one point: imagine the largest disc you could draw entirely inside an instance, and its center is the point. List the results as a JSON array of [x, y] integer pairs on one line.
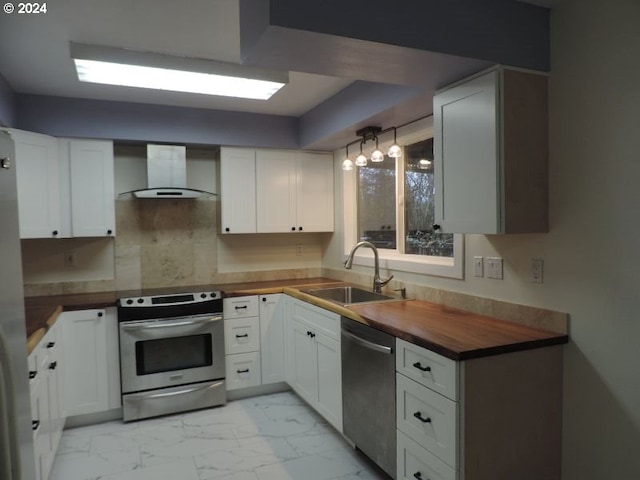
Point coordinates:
[[273, 437]]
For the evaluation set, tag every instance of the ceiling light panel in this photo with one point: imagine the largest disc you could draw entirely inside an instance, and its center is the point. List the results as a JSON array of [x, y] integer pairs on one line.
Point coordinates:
[[112, 66]]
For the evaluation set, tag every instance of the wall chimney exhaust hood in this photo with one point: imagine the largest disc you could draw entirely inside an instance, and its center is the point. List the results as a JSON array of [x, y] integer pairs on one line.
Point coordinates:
[[167, 174]]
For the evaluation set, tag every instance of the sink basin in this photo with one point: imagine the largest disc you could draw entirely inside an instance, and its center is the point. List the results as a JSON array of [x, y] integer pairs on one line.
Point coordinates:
[[350, 295]]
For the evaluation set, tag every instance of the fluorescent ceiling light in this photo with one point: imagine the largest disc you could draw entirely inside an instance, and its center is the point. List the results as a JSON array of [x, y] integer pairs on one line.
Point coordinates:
[[129, 68]]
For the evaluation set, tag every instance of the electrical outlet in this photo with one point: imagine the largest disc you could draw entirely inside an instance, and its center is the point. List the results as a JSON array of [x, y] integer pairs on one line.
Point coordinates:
[[537, 268], [299, 249], [69, 259], [478, 267], [494, 268]]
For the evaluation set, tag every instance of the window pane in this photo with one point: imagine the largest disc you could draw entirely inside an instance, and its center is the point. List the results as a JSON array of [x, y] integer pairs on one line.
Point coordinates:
[[377, 203], [420, 238]]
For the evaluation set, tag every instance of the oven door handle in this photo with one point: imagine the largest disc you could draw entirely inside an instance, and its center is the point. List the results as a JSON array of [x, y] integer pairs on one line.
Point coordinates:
[[168, 324]]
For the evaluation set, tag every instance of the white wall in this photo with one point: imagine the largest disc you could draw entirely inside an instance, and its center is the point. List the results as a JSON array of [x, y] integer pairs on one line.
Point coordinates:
[[590, 254]]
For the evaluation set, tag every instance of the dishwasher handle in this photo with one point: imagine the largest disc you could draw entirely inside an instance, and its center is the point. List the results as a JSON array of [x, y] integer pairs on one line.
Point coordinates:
[[367, 344]]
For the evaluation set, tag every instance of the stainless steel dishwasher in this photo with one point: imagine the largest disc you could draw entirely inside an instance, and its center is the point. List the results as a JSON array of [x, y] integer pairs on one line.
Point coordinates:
[[369, 392]]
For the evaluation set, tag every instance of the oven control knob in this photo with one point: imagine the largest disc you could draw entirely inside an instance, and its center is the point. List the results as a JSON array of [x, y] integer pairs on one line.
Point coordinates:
[[203, 295], [213, 295], [129, 302], [141, 300]]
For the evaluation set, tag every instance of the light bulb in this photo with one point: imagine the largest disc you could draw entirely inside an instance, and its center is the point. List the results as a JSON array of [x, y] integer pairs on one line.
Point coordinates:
[[347, 164], [377, 156], [395, 151], [361, 161]]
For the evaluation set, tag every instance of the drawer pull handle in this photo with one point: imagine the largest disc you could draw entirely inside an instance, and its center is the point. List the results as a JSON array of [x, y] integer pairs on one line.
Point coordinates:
[[242, 336], [419, 416], [53, 365], [51, 344], [421, 368], [241, 307], [246, 370], [418, 475], [35, 424], [32, 374]]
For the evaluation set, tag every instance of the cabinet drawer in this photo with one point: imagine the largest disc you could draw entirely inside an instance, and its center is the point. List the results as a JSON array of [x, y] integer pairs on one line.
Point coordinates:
[[243, 370], [240, 307], [414, 462], [428, 418], [427, 368], [242, 335], [321, 320]]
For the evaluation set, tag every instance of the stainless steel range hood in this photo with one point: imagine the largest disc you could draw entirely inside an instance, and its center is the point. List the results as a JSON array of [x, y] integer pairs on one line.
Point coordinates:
[[167, 174]]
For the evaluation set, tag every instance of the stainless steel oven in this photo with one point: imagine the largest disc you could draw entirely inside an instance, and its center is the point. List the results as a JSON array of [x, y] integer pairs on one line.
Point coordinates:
[[171, 353]]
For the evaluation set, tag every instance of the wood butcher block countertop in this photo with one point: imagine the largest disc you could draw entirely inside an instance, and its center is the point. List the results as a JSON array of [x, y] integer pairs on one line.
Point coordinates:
[[453, 333]]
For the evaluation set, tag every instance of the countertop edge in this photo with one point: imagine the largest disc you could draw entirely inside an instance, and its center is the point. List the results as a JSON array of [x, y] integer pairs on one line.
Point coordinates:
[[295, 289]]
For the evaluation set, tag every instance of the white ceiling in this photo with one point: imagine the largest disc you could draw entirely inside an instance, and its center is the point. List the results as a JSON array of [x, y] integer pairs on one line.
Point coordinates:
[[34, 51]]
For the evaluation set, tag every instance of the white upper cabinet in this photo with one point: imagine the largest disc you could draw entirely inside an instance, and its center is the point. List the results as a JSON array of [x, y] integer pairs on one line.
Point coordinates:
[[37, 170], [238, 190], [294, 191], [65, 187], [91, 187], [491, 154], [276, 191], [314, 192]]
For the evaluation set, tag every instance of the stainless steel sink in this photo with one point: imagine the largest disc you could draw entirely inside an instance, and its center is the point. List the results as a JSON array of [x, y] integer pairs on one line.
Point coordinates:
[[346, 296]]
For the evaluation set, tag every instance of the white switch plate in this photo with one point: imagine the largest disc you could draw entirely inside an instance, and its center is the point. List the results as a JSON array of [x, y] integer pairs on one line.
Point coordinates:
[[537, 270], [494, 267], [478, 266]]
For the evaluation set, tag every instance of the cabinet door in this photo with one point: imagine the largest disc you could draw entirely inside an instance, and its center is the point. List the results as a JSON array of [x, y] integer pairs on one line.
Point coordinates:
[[86, 378], [38, 184], [329, 380], [92, 188], [304, 367], [314, 192], [272, 346], [276, 191], [467, 157], [238, 190]]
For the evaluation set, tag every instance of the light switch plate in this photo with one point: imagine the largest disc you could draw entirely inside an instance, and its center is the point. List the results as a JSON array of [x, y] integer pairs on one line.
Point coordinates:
[[494, 267], [478, 266], [537, 268]]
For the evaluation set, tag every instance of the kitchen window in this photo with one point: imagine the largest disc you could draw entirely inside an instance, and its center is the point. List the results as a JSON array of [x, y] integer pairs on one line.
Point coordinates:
[[391, 204]]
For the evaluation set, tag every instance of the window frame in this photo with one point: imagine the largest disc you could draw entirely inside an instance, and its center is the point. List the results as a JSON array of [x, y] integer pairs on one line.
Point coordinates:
[[450, 267]]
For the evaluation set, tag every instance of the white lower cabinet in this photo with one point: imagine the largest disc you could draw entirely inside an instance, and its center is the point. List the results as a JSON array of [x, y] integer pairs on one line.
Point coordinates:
[[415, 462], [314, 357], [272, 343], [45, 368], [254, 340], [243, 370], [242, 342], [495, 417], [91, 379]]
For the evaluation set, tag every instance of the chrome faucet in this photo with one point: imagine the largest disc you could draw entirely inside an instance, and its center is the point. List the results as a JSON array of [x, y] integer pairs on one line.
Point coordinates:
[[378, 283]]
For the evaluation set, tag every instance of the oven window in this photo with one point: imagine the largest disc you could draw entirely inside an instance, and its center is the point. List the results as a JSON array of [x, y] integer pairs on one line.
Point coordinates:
[[176, 353]]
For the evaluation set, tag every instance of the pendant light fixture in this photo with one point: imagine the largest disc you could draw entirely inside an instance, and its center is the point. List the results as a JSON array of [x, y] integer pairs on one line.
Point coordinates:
[[377, 155], [347, 164], [361, 160], [395, 151]]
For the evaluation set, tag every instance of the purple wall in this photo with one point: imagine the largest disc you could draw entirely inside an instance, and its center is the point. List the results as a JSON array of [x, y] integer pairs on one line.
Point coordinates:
[[500, 31], [72, 117], [7, 104]]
